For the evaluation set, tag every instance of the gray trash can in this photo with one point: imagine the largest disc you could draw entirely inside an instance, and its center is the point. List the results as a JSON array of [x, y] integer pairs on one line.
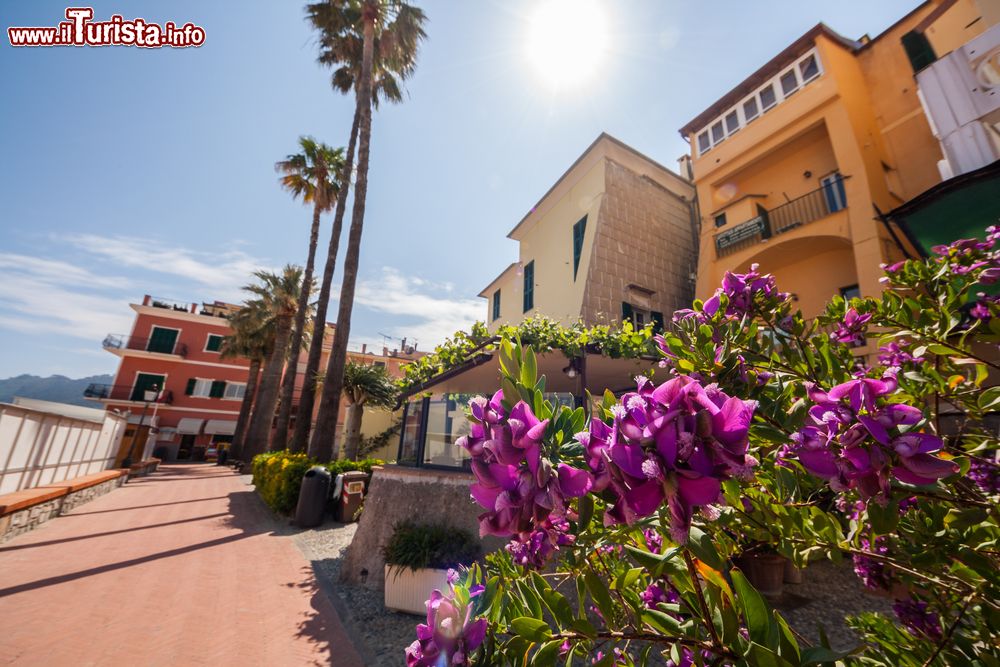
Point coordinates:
[[313, 493]]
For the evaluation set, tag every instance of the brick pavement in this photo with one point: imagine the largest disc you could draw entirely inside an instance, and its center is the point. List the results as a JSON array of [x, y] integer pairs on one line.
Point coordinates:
[[184, 567]]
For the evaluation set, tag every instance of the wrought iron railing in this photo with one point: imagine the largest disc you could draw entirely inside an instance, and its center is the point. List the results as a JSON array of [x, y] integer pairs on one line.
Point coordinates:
[[123, 392], [123, 342], [800, 211]]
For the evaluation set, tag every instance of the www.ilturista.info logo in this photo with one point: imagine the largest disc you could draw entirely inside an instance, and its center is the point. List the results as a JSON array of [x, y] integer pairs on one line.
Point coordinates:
[[80, 30]]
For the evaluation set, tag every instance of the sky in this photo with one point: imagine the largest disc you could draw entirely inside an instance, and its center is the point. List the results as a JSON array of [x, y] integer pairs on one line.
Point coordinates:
[[134, 171]]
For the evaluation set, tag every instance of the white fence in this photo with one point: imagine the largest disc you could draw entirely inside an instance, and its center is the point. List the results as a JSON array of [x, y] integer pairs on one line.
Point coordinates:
[[39, 447]]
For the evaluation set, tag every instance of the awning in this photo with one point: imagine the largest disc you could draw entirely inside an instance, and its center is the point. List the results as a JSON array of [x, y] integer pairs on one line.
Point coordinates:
[[189, 426], [220, 427]]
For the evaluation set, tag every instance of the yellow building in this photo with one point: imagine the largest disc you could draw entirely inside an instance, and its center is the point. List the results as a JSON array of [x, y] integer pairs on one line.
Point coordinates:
[[795, 164], [613, 238]]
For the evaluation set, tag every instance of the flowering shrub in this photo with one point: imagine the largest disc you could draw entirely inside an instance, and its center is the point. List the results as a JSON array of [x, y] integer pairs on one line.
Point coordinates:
[[868, 432]]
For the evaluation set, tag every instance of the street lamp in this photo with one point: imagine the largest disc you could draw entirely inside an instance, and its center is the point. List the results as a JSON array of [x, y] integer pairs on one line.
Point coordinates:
[[149, 396]]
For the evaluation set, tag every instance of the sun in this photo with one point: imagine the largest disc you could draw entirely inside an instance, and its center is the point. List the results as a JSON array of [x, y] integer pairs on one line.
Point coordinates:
[[567, 41]]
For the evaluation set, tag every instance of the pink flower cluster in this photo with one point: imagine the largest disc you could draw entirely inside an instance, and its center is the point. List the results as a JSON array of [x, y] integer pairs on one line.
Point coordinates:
[[746, 293], [451, 633], [855, 440], [672, 444], [523, 493]]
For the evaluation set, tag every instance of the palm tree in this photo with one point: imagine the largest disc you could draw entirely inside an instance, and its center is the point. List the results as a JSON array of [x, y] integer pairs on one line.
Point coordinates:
[[400, 29], [341, 46], [252, 337], [311, 175], [277, 297], [364, 385]]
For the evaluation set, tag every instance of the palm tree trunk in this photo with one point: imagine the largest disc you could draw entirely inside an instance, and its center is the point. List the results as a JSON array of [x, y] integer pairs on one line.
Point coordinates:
[[303, 423], [280, 438], [270, 383], [326, 423], [236, 449], [352, 430]]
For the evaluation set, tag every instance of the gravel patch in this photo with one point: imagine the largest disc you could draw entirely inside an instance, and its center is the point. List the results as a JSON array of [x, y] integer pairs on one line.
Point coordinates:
[[828, 593], [379, 634]]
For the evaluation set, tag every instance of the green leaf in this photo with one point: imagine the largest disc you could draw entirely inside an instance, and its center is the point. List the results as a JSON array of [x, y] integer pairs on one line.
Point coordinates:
[[585, 510], [599, 592], [884, 519], [661, 621], [700, 544], [547, 654], [821, 655], [755, 610], [529, 369], [532, 629]]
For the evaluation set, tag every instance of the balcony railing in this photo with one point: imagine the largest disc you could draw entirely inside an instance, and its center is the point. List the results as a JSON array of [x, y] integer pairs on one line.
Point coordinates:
[[123, 342], [122, 392], [800, 211]]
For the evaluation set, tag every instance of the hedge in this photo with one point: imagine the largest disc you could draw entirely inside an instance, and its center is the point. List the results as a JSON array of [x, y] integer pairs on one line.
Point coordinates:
[[278, 476]]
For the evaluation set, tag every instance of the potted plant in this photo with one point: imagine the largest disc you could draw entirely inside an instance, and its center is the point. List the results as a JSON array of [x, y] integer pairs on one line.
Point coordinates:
[[417, 560]]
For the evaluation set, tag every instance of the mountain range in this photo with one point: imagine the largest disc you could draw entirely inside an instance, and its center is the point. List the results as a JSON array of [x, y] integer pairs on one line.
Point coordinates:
[[57, 388]]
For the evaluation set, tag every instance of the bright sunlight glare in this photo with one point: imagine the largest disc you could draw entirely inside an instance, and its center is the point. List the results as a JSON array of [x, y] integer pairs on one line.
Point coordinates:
[[567, 41]]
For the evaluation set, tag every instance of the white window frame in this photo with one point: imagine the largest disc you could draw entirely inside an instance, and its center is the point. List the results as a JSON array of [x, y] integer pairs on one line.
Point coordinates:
[[242, 386], [208, 388], [780, 96], [209, 336]]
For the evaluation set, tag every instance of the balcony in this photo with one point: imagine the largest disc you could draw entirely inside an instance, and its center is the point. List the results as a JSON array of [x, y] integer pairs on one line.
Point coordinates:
[[121, 392], [120, 342], [810, 207]]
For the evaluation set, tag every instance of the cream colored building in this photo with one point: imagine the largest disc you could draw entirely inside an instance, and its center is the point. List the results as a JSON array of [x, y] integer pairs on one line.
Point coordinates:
[[614, 238]]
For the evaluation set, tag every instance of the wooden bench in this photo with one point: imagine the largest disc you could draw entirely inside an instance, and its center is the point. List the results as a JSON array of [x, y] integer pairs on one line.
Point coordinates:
[[19, 500]]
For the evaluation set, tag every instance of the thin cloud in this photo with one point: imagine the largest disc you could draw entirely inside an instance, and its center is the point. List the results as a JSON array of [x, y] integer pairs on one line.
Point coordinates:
[[433, 312]]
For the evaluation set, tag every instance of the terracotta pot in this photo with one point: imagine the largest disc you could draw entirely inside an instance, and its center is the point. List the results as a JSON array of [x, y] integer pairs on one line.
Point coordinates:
[[766, 572], [793, 575]]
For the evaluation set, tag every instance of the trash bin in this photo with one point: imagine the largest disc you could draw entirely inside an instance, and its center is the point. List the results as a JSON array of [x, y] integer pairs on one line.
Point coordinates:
[[223, 456], [312, 497], [352, 494]]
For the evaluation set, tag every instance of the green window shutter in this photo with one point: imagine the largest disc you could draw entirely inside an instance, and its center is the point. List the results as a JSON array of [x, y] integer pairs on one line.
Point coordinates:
[[657, 321], [529, 286], [190, 387], [496, 305], [626, 311], [579, 229], [218, 389], [918, 49], [214, 343]]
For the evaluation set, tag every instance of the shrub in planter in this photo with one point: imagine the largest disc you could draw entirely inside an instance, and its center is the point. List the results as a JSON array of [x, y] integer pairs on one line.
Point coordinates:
[[418, 558], [278, 476]]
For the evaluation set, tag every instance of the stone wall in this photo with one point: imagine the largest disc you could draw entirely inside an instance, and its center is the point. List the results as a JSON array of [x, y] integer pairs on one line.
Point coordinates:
[[397, 493], [644, 237], [23, 520]]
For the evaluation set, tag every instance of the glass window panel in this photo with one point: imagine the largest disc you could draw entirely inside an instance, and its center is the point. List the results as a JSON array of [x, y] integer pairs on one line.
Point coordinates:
[[446, 423], [720, 220], [767, 97], [750, 109], [409, 442], [789, 83], [809, 68], [732, 122], [703, 143], [717, 133]]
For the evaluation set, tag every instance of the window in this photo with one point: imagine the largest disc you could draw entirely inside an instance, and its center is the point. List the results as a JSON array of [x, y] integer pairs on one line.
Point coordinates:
[[732, 122], [833, 189], [789, 83], [529, 285], [750, 109], [767, 97], [720, 220], [379, 364], [496, 305], [850, 292], [918, 49], [717, 133], [162, 340], [809, 68], [579, 229], [703, 143], [199, 388], [235, 390], [214, 343], [146, 382]]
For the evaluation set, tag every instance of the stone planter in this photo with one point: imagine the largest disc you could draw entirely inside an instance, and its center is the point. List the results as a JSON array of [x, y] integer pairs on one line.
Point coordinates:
[[793, 575], [766, 572], [408, 590]]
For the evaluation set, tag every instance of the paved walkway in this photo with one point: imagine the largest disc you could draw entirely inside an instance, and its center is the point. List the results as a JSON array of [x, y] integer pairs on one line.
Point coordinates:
[[183, 567]]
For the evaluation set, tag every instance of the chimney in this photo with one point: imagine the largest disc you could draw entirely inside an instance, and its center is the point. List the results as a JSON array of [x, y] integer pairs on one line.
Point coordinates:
[[364, 348], [146, 299], [385, 352]]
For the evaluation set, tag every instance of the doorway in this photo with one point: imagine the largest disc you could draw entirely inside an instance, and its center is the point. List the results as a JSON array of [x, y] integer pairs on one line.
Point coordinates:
[[186, 447]]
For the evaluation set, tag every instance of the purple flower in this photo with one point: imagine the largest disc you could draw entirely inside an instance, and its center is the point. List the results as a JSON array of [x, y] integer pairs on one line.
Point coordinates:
[[985, 475], [655, 594], [671, 444], [895, 355], [533, 549], [872, 572], [852, 329], [918, 620], [450, 635]]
